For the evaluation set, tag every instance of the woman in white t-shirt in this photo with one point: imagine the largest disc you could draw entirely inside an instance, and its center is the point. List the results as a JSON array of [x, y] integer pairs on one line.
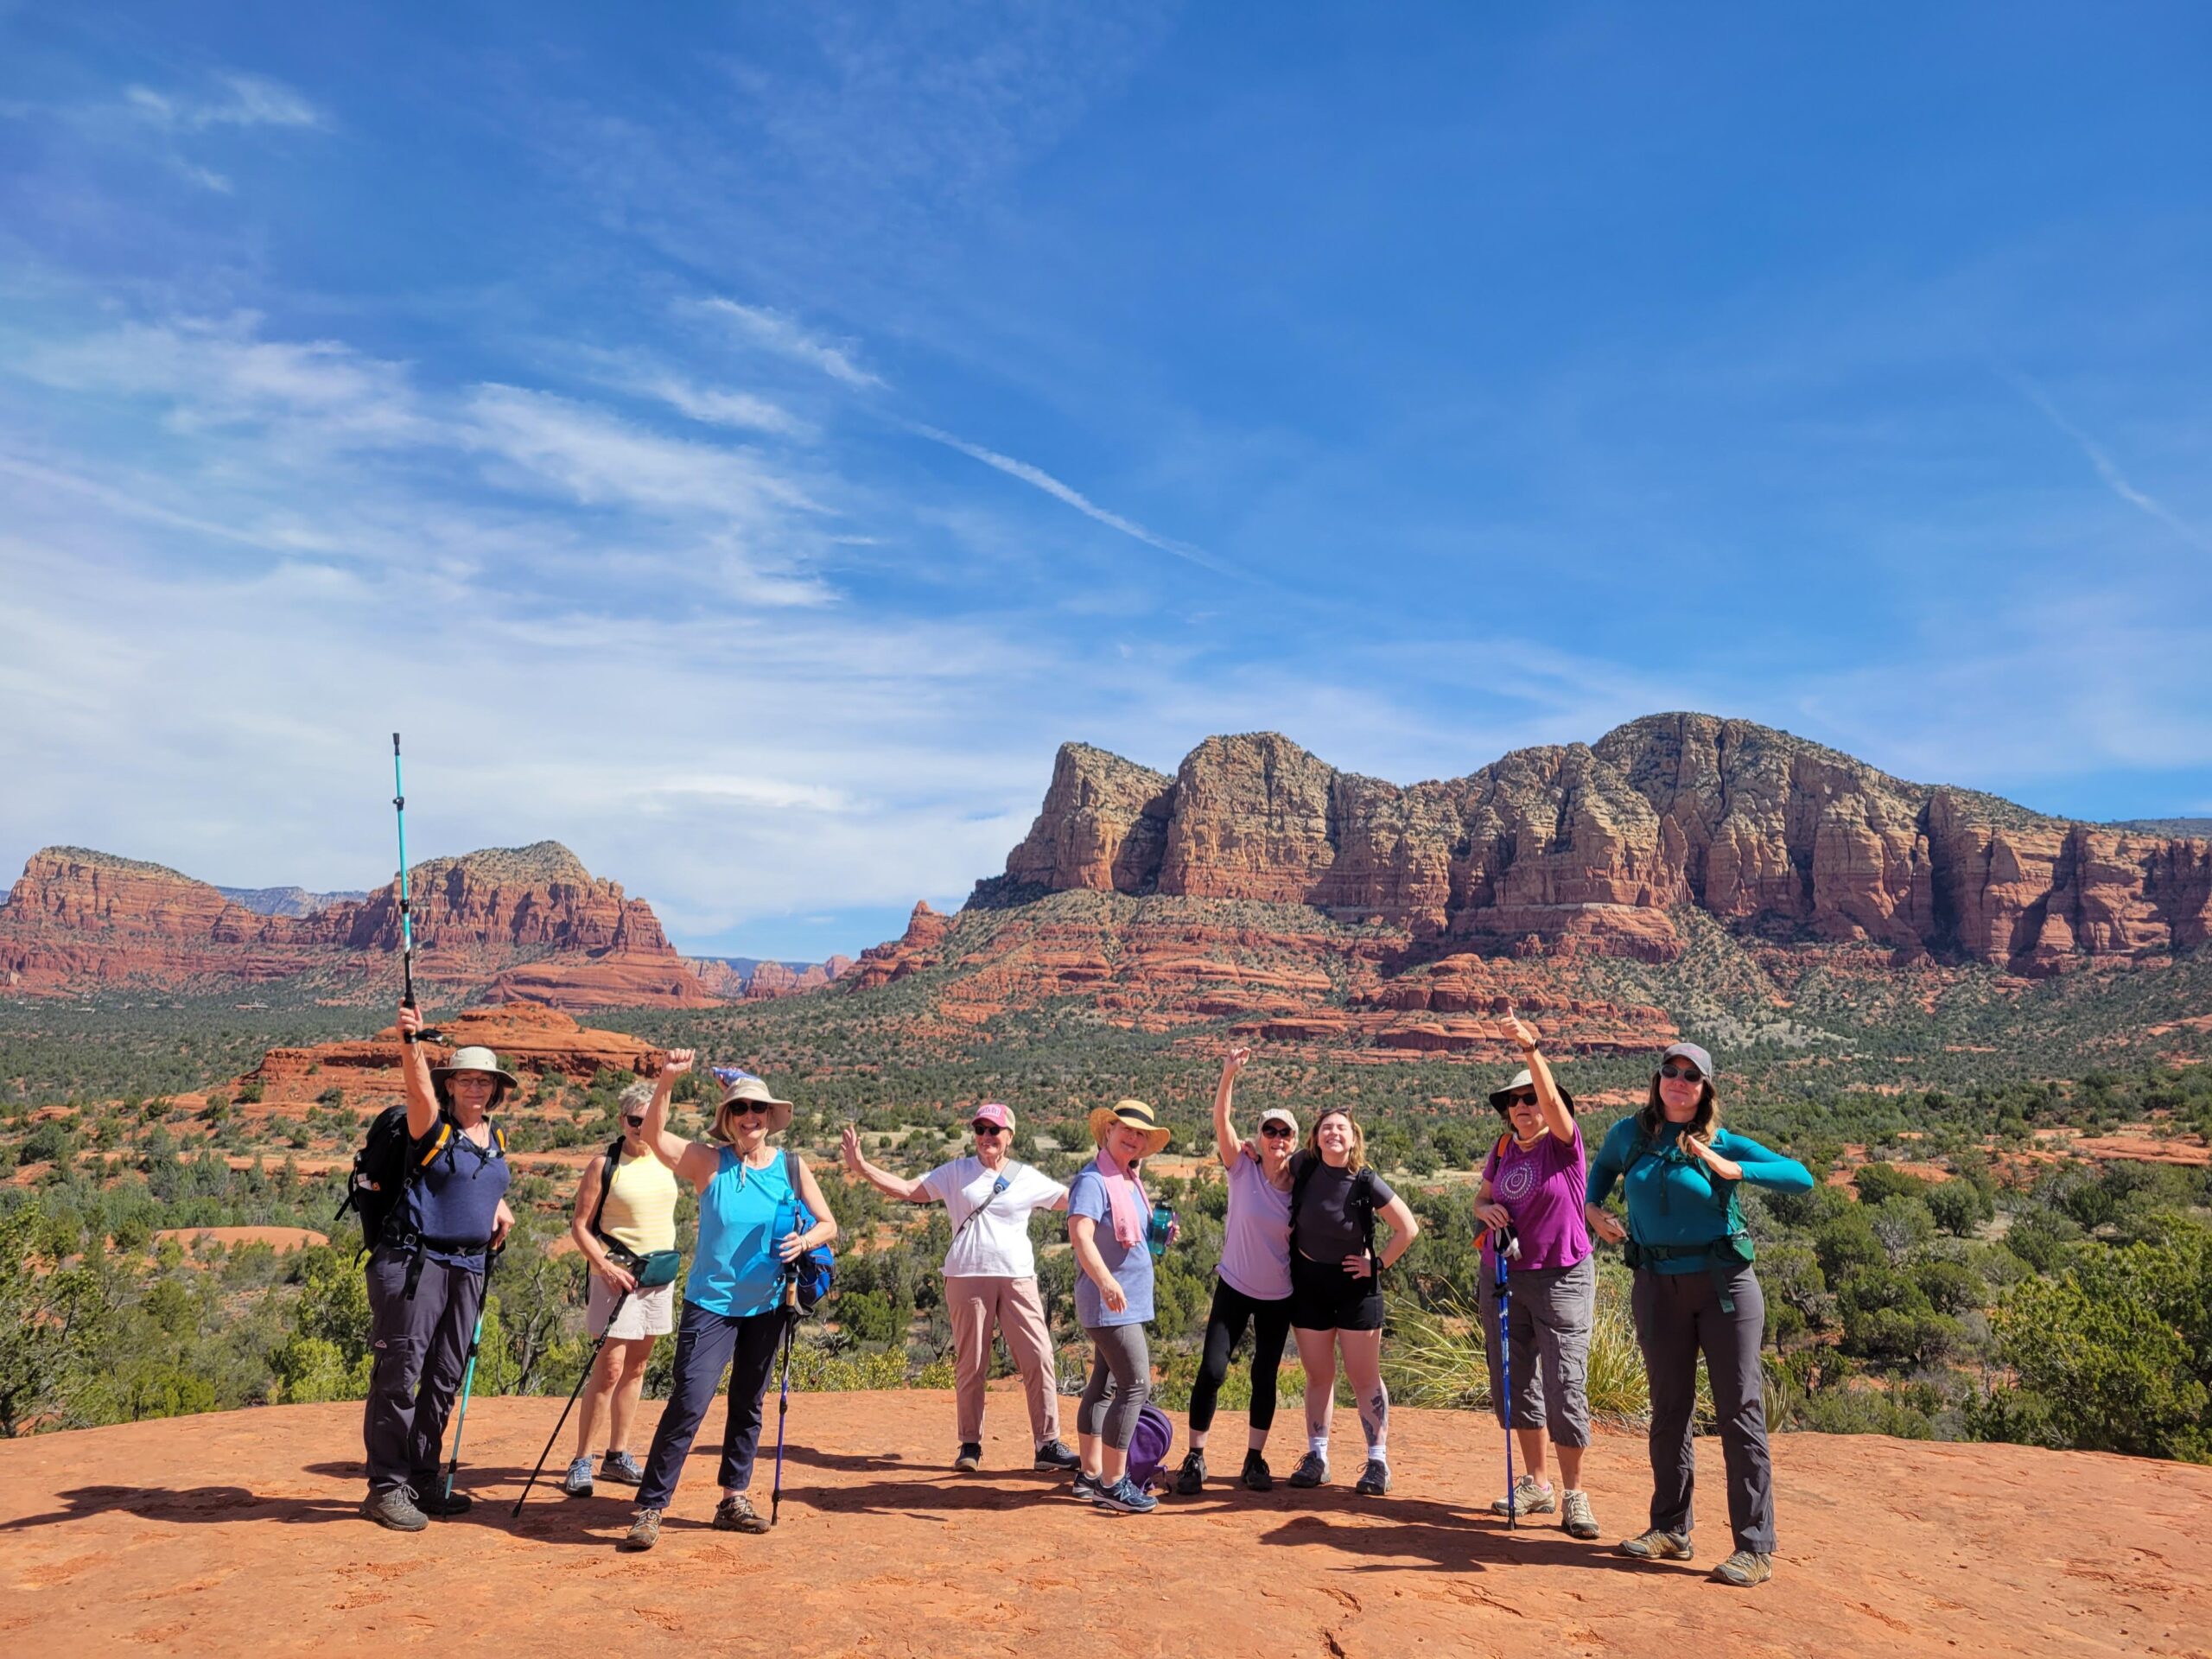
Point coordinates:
[[990, 1276]]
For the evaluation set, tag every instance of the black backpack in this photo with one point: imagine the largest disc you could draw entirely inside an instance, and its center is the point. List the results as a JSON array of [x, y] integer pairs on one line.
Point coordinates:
[[1362, 1201], [386, 1162]]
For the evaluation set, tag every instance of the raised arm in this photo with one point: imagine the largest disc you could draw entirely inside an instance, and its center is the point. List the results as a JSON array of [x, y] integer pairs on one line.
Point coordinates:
[[580, 1227], [693, 1160], [896, 1186], [1224, 1136], [414, 1066], [1557, 1118]]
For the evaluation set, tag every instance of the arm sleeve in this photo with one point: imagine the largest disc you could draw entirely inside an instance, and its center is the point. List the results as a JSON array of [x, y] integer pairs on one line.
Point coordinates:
[[1765, 1168], [1038, 1190], [1605, 1168], [1087, 1197], [1383, 1195], [940, 1184]]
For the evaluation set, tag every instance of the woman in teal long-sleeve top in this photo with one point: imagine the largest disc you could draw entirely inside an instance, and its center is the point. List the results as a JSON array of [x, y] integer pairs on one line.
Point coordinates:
[[1695, 1289]]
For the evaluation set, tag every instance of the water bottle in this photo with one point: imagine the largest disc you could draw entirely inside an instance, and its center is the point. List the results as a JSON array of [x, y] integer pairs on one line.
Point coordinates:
[[1155, 1235]]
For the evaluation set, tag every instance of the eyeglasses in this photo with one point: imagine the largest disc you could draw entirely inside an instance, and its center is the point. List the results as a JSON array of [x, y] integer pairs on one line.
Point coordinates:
[[1521, 1097], [1277, 1131], [988, 1128], [1681, 1072]]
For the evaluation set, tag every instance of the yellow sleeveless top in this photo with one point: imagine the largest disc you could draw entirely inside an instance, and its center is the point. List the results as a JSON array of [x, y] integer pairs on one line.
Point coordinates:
[[640, 1213]]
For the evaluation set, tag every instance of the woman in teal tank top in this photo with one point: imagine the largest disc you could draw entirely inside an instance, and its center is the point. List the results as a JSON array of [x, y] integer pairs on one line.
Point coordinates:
[[753, 1226]]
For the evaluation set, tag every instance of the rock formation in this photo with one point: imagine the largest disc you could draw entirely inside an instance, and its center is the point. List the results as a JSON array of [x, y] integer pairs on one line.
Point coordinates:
[[531, 1041]]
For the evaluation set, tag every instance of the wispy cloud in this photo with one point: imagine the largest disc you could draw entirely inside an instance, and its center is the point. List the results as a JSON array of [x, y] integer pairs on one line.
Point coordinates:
[[239, 100], [786, 337], [2107, 469], [1037, 478]]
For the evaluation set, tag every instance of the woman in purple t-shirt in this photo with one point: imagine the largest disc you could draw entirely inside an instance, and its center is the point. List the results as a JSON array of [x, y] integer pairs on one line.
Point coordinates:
[[1534, 1181]]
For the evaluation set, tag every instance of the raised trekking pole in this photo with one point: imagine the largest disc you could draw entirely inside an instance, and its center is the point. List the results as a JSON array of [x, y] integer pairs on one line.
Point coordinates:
[[468, 1381], [589, 1364], [1500, 1241], [406, 902]]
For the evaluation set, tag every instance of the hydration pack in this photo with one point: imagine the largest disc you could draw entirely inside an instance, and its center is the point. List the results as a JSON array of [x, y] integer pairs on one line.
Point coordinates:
[[386, 1161], [817, 1270]]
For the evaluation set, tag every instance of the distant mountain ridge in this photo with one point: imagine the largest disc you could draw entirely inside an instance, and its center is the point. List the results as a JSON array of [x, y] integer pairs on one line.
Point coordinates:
[[287, 901]]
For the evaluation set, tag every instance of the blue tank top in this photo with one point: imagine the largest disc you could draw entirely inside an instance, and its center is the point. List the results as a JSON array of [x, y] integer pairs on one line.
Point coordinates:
[[456, 1196], [742, 1213]]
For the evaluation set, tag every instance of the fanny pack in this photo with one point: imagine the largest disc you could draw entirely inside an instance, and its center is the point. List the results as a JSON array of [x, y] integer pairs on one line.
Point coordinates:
[[651, 1270], [1722, 1257]]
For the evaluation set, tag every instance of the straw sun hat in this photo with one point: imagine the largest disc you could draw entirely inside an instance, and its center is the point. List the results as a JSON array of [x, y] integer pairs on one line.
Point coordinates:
[[743, 1085], [1130, 1114]]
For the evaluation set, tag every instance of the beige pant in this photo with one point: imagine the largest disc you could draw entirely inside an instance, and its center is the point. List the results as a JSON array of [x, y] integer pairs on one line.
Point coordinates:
[[978, 1302]]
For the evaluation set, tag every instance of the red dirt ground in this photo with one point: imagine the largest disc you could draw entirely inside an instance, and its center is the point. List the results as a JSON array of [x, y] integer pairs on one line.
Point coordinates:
[[236, 1534]]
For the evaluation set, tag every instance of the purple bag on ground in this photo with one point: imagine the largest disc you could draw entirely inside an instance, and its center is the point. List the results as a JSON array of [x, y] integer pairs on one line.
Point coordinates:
[[1149, 1445]]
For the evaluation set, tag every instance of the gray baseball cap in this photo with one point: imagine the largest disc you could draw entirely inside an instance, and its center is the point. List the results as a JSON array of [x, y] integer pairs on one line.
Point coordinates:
[[1690, 1052]]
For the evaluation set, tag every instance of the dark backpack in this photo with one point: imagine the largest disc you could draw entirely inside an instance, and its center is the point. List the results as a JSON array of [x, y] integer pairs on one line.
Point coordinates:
[[386, 1162], [817, 1270], [1362, 1201]]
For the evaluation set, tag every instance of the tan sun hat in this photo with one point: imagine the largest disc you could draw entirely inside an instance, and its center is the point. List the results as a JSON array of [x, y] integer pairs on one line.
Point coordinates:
[[1132, 1115], [743, 1085], [475, 1059]]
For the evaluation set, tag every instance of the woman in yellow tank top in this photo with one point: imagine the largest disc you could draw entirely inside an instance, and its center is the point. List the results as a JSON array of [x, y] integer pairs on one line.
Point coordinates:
[[639, 1216]]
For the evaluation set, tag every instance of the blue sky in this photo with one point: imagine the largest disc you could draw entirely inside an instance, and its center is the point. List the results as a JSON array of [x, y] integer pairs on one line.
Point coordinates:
[[743, 442]]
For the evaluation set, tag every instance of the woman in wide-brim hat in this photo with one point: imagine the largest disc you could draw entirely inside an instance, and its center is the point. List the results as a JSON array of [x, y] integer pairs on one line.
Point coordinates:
[[426, 1275], [1108, 1216], [760, 1209]]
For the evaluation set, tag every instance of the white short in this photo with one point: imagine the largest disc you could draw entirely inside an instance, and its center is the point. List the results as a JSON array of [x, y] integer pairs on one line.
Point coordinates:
[[645, 1312]]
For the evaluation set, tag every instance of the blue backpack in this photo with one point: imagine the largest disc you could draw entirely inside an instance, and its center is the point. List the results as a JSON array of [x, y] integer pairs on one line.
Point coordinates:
[[817, 1270]]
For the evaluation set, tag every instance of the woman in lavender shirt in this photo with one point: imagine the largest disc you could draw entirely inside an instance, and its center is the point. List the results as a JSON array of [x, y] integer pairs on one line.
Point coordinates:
[[1534, 1181], [1253, 1286]]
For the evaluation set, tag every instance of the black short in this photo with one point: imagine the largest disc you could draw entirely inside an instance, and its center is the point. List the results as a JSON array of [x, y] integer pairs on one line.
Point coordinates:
[[1323, 1297]]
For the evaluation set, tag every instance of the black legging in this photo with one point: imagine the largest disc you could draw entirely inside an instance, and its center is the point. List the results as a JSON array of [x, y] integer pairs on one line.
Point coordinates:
[[1270, 1322]]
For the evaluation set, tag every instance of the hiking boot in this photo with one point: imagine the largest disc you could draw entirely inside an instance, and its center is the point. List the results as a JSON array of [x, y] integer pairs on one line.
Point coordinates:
[[394, 1507], [736, 1514], [444, 1504], [1190, 1479], [577, 1482], [1659, 1545], [1257, 1476], [1531, 1497], [1053, 1455], [1311, 1470], [970, 1459], [621, 1469], [1745, 1568], [644, 1531], [1577, 1521], [1373, 1480], [1127, 1497], [1086, 1488]]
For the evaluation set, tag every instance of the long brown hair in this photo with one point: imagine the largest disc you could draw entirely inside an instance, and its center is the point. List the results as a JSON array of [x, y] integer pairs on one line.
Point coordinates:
[[1357, 1161], [1702, 1121]]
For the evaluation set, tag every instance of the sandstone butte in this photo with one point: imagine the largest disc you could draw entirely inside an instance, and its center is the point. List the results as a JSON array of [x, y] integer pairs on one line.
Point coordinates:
[[768, 979], [528, 922], [236, 1535], [533, 1042]]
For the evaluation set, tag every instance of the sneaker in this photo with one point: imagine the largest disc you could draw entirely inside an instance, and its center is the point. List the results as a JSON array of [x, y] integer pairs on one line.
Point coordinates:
[[443, 1503], [1311, 1470], [644, 1531], [1577, 1521], [577, 1482], [1531, 1497], [737, 1514], [621, 1468], [1659, 1545], [1257, 1476], [1745, 1568], [970, 1459], [1190, 1479], [1086, 1488], [394, 1507], [1053, 1455], [1126, 1496], [1373, 1480]]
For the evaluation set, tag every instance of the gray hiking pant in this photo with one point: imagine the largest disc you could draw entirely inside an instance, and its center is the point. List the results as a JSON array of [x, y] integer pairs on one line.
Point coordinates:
[[421, 1348], [1121, 1377], [1548, 1327], [1677, 1314]]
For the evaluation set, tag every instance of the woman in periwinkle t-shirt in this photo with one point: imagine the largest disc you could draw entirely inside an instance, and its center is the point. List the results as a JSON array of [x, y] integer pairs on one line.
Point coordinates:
[[1534, 1179], [1253, 1285]]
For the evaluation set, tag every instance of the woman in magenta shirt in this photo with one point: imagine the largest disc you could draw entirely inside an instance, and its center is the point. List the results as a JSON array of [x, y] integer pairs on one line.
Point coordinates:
[[1534, 1179]]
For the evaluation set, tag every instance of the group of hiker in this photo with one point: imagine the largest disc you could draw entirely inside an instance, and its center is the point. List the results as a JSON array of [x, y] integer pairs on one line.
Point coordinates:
[[1310, 1230]]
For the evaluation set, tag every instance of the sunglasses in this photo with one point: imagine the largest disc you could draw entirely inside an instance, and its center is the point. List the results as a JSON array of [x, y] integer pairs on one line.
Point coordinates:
[[1277, 1131], [745, 1108], [988, 1128], [1681, 1072], [1521, 1097], [634, 1122]]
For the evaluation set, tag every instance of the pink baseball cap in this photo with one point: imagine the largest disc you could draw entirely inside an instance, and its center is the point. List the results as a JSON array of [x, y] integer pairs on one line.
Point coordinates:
[[992, 1112]]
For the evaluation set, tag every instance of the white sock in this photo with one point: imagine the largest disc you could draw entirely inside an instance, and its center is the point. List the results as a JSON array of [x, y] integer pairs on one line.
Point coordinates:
[[1318, 1445], [1377, 1451]]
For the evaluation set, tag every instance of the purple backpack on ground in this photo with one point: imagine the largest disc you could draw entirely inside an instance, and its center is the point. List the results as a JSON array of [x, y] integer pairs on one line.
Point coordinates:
[[1149, 1446]]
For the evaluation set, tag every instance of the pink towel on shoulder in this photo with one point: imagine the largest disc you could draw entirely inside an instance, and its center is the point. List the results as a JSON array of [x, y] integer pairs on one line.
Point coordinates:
[[1125, 1195]]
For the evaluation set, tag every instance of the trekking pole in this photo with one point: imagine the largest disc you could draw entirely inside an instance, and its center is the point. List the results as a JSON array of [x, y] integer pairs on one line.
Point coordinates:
[[468, 1381], [784, 1401], [573, 1393], [1505, 1371], [406, 902]]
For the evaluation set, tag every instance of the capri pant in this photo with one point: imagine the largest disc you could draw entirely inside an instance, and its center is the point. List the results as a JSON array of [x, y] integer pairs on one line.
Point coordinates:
[[1121, 1377], [1548, 1339]]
